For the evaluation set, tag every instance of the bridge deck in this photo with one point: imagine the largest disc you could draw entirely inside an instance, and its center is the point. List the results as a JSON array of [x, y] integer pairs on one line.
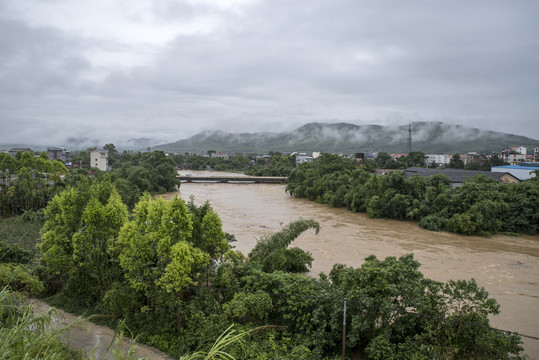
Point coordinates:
[[235, 179]]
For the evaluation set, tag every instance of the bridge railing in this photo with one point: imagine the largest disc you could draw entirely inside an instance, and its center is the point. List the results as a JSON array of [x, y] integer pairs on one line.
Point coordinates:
[[235, 179]]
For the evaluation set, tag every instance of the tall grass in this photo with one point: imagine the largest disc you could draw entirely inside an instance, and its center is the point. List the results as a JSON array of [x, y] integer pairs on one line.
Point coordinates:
[[28, 335], [227, 338], [25, 334], [16, 231]]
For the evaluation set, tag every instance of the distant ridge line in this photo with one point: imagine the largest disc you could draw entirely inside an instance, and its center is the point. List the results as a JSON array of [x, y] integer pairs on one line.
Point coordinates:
[[346, 138]]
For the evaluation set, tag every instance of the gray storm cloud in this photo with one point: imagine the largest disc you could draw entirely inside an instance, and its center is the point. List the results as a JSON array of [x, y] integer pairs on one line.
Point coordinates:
[[166, 70]]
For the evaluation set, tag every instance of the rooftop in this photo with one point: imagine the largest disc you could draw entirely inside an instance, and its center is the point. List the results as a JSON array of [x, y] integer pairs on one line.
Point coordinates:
[[523, 166]]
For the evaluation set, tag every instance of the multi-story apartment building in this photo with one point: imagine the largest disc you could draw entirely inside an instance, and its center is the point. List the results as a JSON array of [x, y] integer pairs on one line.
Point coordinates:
[[514, 154], [99, 159], [58, 153]]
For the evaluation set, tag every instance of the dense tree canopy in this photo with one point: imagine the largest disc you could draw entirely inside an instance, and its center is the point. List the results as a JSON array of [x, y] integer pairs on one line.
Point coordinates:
[[275, 164], [480, 206], [78, 238], [28, 182], [156, 251]]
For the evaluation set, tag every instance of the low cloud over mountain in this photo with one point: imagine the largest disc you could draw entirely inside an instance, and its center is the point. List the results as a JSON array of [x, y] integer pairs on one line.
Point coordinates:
[[430, 137]]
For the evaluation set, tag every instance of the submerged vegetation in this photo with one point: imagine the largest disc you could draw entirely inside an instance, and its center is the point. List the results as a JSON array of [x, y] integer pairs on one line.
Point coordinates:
[[480, 206]]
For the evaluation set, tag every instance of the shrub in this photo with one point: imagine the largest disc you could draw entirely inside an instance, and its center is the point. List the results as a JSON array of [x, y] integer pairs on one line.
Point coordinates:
[[17, 278], [433, 222]]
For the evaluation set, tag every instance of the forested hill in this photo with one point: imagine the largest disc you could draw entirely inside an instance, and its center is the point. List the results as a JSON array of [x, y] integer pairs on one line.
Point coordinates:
[[429, 137]]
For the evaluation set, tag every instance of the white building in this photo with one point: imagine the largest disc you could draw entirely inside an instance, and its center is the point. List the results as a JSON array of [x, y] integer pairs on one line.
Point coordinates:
[[438, 159], [219, 155], [99, 159], [514, 154], [515, 150], [302, 158]]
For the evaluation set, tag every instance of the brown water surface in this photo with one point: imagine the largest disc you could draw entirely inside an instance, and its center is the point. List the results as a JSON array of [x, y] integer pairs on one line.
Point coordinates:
[[508, 267]]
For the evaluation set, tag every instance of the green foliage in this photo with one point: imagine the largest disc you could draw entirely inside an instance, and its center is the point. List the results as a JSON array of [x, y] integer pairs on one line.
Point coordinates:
[[415, 158], [249, 307], [163, 251], [27, 335], [197, 162], [14, 254], [112, 153], [129, 191], [136, 173], [19, 238], [276, 165], [456, 162], [28, 183], [464, 223], [465, 334], [433, 222], [480, 206], [272, 254], [226, 339], [385, 161], [396, 313], [16, 277], [207, 234], [155, 251], [297, 307], [78, 241]]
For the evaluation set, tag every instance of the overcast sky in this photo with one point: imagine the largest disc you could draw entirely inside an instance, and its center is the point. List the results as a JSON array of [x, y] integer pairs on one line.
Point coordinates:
[[83, 71]]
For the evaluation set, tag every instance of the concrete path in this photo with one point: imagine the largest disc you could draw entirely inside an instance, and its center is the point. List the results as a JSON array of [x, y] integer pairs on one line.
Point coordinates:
[[93, 339]]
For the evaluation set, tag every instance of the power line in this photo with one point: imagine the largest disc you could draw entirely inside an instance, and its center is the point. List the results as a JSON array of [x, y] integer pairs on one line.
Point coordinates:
[[357, 301]]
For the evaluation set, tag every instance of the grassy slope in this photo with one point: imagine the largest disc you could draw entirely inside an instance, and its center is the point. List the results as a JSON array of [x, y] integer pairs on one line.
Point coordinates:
[[16, 231]]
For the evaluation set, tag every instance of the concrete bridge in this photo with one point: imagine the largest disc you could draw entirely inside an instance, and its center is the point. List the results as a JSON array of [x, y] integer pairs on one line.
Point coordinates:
[[235, 179]]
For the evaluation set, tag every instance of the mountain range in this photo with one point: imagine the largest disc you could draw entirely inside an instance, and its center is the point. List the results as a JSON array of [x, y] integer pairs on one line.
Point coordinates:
[[429, 137]]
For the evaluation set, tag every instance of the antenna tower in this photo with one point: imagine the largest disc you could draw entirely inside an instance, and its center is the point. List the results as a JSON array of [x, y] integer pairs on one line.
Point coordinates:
[[409, 138]]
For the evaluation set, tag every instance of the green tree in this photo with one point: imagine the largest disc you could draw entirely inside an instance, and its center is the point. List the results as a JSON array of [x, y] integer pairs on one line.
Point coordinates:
[[78, 241], [385, 296], [111, 148], [273, 254], [28, 183], [385, 161], [112, 153], [94, 249], [456, 162], [207, 233], [158, 253], [415, 158]]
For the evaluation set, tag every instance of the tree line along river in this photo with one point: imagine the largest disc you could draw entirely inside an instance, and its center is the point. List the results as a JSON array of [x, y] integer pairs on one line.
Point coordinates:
[[508, 267]]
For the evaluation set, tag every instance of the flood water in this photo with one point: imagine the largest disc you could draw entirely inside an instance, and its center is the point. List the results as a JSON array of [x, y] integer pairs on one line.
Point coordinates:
[[508, 267]]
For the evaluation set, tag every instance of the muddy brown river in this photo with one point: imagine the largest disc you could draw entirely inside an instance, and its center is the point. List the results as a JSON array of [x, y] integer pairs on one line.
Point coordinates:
[[508, 267]]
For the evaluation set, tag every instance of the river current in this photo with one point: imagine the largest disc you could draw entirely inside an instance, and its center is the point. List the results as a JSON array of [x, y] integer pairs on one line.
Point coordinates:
[[508, 267]]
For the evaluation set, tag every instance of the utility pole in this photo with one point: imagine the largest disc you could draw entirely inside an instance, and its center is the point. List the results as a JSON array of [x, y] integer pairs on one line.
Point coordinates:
[[344, 331]]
